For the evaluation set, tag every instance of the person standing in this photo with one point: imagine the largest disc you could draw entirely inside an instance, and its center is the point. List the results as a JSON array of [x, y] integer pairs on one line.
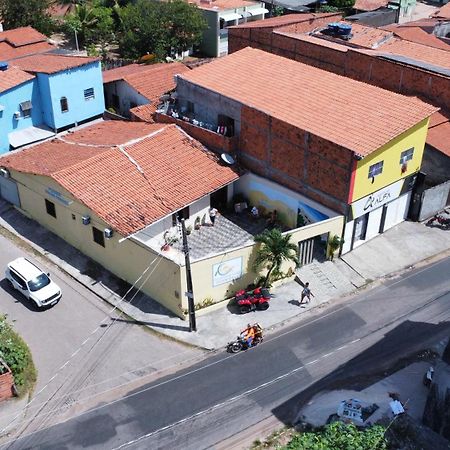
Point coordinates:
[[306, 293], [212, 215]]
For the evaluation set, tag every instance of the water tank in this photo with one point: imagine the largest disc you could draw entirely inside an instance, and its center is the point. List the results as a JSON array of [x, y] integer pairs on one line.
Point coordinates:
[[3, 66], [344, 29]]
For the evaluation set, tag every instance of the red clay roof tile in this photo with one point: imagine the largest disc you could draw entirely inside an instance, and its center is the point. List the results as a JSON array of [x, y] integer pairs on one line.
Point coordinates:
[[221, 5], [119, 73], [355, 115], [369, 5], [144, 112], [420, 36], [439, 132], [443, 13], [8, 52], [49, 63], [128, 185], [22, 36], [12, 77]]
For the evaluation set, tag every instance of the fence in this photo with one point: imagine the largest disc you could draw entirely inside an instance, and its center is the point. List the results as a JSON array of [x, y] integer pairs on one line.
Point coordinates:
[[434, 200]]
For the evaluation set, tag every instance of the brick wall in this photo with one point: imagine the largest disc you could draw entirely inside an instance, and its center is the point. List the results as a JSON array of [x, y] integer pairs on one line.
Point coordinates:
[[209, 138], [6, 386], [295, 158]]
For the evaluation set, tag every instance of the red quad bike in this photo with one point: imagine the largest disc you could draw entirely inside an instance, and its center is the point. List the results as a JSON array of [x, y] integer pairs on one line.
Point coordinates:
[[442, 222], [251, 300]]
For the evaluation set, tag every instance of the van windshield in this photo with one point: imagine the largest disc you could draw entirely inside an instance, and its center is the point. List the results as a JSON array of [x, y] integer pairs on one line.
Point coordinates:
[[39, 282]]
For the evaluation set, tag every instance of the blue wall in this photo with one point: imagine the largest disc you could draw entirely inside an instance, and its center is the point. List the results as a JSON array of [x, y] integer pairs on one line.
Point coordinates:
[[10, 100], [71, 84]]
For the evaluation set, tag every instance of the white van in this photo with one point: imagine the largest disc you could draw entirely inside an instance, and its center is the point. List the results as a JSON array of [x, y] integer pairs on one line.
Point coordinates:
[[34, 284]]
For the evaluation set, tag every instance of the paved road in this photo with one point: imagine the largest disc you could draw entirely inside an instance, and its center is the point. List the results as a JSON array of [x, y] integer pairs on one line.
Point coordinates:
[[106, 351], [218, 398]]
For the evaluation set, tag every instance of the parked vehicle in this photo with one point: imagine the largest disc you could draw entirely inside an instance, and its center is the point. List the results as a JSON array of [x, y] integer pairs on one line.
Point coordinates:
[[250, 300], [241, 343], [31, 282], [440, 221]]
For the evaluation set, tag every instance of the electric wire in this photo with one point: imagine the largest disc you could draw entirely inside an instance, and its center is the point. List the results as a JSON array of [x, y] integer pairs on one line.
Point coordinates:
[[72, 356]]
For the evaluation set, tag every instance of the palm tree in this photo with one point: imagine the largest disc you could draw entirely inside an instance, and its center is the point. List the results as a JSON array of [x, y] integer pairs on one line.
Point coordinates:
[[273, 250]]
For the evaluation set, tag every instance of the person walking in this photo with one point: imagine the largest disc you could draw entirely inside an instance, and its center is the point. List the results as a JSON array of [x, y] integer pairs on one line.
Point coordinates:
[[212, 215], [306, 293]]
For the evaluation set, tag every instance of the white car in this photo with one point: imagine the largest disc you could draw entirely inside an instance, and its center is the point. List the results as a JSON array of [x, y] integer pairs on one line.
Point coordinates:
[[34, 284]]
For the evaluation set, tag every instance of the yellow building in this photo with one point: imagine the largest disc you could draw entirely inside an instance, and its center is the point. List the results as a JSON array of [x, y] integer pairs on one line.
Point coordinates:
[[114, 190]]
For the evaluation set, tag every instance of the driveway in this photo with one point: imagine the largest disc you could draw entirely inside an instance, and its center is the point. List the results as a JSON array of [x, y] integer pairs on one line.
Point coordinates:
[[107, 353]]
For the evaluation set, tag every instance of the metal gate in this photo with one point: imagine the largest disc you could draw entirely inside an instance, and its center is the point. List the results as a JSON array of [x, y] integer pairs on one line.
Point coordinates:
[[306, 251], [9, 191]]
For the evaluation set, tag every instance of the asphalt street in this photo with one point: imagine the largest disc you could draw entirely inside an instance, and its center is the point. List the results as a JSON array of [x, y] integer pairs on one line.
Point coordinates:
[[84, 351], [220, 397]]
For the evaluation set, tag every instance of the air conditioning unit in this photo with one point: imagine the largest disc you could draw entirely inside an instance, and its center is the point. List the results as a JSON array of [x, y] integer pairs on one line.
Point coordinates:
[[108, 233], [86, 220], [4, 172], [17, 115]]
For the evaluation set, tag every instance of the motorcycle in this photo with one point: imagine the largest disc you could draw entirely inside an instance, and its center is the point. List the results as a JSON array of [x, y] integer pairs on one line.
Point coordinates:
[[241, 344], [442, 222], [251, 300]]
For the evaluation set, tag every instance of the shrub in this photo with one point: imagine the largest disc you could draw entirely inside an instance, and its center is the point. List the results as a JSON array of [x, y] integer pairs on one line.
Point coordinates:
[[16, 354]]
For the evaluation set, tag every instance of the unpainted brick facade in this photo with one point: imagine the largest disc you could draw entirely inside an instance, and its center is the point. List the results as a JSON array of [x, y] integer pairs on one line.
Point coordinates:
[[295, 158]]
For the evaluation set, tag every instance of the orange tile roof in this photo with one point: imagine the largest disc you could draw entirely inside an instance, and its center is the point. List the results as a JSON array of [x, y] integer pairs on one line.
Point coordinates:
[[439, 132], [369, 5], [443, 13], [352, 114], [420, 36], [22, 36], [157, 80], [119, 73], [8, 52], [369, 37], [12, 77], [49, 63], [418, 52], [221, 5], [133, 185], [280, 21], [144, 112]]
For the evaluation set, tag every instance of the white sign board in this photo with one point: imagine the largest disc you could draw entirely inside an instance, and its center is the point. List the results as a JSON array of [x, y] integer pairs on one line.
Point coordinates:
[[227, 271], [377, 199]]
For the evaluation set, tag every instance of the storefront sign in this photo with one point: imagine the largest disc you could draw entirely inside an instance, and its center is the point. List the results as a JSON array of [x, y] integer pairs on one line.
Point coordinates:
[[377, 199], [227, 271], [58, 196]]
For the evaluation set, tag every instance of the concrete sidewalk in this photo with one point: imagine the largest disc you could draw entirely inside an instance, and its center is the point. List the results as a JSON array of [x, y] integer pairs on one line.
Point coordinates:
[[397, 249]]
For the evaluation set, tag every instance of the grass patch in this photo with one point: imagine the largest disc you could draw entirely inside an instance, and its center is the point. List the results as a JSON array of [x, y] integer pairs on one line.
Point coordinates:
[[16, 354]]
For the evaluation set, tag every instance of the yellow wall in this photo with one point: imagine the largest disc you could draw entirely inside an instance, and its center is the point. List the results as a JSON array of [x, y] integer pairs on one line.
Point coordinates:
[[126, 259], [390, 154], [202, 270]]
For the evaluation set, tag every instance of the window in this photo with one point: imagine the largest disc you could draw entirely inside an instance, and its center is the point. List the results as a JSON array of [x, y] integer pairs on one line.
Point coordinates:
[[64, 104], [225, 125], [89, 94], [26, 108], [406, 156], [98, 236], [50, 207], [375, 169], [19, 280]]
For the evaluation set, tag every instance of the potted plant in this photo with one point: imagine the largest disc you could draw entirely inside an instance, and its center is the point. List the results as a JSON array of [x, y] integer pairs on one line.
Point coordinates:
[[169, 239], [189, 230], [334, 243], [197, 223]]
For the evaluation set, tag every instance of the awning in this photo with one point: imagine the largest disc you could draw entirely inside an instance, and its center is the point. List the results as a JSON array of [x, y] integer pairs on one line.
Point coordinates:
[[29, 135], [257, 11], [230, 16]]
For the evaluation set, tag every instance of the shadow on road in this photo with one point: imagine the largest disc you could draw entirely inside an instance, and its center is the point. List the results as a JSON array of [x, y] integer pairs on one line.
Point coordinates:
[[408, 339]]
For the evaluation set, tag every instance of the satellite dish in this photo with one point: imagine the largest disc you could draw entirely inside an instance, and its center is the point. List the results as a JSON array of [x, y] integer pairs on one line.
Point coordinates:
[[227, 158]]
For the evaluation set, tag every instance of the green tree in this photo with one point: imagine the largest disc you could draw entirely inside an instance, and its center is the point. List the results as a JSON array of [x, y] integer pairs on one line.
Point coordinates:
[[93, 24], [341, 4], [273, 250], [159, 27], [340, 436], [22, 13]]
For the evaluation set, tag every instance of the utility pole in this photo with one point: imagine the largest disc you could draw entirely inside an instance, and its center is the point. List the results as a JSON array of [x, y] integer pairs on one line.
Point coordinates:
[[190, 289]]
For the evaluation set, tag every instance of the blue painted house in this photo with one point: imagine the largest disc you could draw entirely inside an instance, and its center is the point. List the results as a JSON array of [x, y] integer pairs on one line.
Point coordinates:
[[45, 93]]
